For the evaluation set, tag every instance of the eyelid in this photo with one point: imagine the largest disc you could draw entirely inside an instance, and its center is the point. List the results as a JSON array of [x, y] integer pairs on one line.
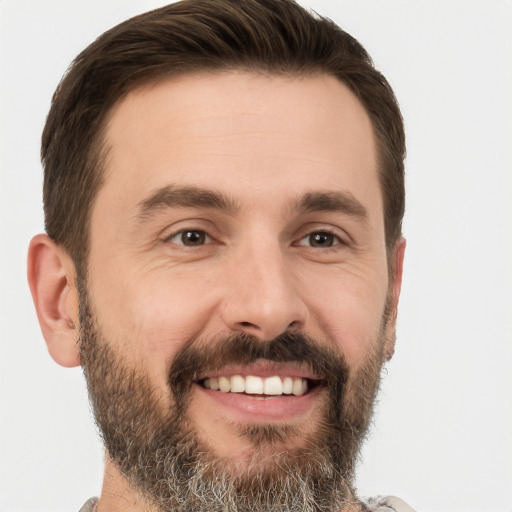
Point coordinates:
[[342, 237], [337, 242], [177, 234]]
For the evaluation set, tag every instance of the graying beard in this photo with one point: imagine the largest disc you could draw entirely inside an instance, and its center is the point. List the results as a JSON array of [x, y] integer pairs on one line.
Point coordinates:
[[175, 472], [211, 487], [271, 434], [172, 470]]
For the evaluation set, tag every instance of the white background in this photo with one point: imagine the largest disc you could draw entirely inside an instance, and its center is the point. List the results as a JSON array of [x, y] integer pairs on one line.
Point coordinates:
[[443, 431]]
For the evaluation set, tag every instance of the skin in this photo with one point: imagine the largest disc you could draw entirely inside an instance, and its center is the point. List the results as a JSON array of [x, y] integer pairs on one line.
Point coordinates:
[[263, 142]]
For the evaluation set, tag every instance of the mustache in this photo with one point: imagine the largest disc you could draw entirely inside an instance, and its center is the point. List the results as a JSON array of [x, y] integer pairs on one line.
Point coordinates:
[[203, 356]]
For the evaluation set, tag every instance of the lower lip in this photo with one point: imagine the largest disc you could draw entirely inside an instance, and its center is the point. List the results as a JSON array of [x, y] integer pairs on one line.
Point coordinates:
[[262, 409]]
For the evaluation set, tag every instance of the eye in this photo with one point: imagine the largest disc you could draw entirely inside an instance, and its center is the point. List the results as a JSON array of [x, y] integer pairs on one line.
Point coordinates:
[[190, 238], [320, 240]]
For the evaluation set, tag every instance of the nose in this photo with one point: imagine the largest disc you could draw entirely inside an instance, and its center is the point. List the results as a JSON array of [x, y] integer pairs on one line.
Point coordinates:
[[262, 297]]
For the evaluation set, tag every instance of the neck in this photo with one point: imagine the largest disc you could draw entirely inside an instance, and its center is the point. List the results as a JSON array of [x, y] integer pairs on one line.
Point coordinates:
[[117, 495]]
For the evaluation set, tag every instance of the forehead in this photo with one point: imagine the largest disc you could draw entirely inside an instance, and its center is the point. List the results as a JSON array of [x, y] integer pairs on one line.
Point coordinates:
[[249, 134]]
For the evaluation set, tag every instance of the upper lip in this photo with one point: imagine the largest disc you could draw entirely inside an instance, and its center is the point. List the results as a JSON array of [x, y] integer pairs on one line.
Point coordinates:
[[264, 369]]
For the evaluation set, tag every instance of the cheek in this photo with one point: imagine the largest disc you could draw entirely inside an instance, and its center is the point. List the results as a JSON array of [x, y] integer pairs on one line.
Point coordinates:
[[150, 317], [349, 309]]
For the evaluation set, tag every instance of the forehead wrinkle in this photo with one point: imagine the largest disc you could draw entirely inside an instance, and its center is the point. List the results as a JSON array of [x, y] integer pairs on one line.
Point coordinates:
[[179, 196]]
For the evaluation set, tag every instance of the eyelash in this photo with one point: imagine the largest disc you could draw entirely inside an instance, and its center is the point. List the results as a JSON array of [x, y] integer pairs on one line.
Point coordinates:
[[183, 232], [204, 238], [337, 239]]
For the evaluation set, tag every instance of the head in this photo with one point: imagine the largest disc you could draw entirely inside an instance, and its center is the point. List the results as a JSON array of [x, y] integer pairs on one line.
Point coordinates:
[[223, 197], [271, 37]]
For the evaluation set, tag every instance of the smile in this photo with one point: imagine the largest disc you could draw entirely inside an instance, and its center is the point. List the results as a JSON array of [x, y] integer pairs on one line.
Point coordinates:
[[254, 385], [261, 392]]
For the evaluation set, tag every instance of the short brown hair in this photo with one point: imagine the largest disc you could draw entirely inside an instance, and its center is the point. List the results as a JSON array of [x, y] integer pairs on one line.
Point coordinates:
[[274, 36]]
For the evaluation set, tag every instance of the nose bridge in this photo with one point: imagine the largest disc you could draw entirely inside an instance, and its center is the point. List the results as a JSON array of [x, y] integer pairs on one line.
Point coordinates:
[[263, 298]]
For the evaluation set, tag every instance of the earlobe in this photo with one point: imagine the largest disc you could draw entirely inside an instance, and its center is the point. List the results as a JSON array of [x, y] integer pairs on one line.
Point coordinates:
[[51, 277], [394, 296]]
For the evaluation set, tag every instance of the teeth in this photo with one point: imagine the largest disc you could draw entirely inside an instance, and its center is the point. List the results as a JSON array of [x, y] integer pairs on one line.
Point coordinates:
[[237, 384], [297, 387], [273, 386], [287, 385], [252, 385], [224, 384]]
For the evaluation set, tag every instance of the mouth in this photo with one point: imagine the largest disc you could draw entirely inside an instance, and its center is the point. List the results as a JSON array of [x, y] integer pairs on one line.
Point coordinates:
[[262, 392]]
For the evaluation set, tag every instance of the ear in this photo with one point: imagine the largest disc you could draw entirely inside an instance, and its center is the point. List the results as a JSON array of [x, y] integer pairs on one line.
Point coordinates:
[[51, 277], [395, 287]]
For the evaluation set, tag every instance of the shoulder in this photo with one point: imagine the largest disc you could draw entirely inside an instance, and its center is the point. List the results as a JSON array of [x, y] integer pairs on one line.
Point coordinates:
[[89, 505], [388, 504]]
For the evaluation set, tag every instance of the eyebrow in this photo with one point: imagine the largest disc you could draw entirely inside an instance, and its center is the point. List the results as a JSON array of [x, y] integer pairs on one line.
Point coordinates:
[[175, 196], [343, 202]]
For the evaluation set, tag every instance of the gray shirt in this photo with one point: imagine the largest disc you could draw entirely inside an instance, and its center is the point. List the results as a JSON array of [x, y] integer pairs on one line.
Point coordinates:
[[379, 504]]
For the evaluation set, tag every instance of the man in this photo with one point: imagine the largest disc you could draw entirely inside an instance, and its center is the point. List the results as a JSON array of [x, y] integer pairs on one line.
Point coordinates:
[[223, 198]]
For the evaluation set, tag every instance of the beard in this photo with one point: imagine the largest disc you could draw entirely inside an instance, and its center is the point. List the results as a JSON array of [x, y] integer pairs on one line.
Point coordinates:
[[155, 444]]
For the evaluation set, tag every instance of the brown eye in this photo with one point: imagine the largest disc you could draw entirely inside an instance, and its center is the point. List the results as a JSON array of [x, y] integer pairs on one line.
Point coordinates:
[[193, 237], [190, 238], [320, 240]]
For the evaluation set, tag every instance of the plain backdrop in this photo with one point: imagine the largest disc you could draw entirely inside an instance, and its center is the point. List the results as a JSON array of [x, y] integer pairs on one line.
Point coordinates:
[[442, 438]]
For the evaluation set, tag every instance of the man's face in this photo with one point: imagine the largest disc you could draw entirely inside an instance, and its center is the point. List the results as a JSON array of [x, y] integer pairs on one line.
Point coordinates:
[[238, 242]]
